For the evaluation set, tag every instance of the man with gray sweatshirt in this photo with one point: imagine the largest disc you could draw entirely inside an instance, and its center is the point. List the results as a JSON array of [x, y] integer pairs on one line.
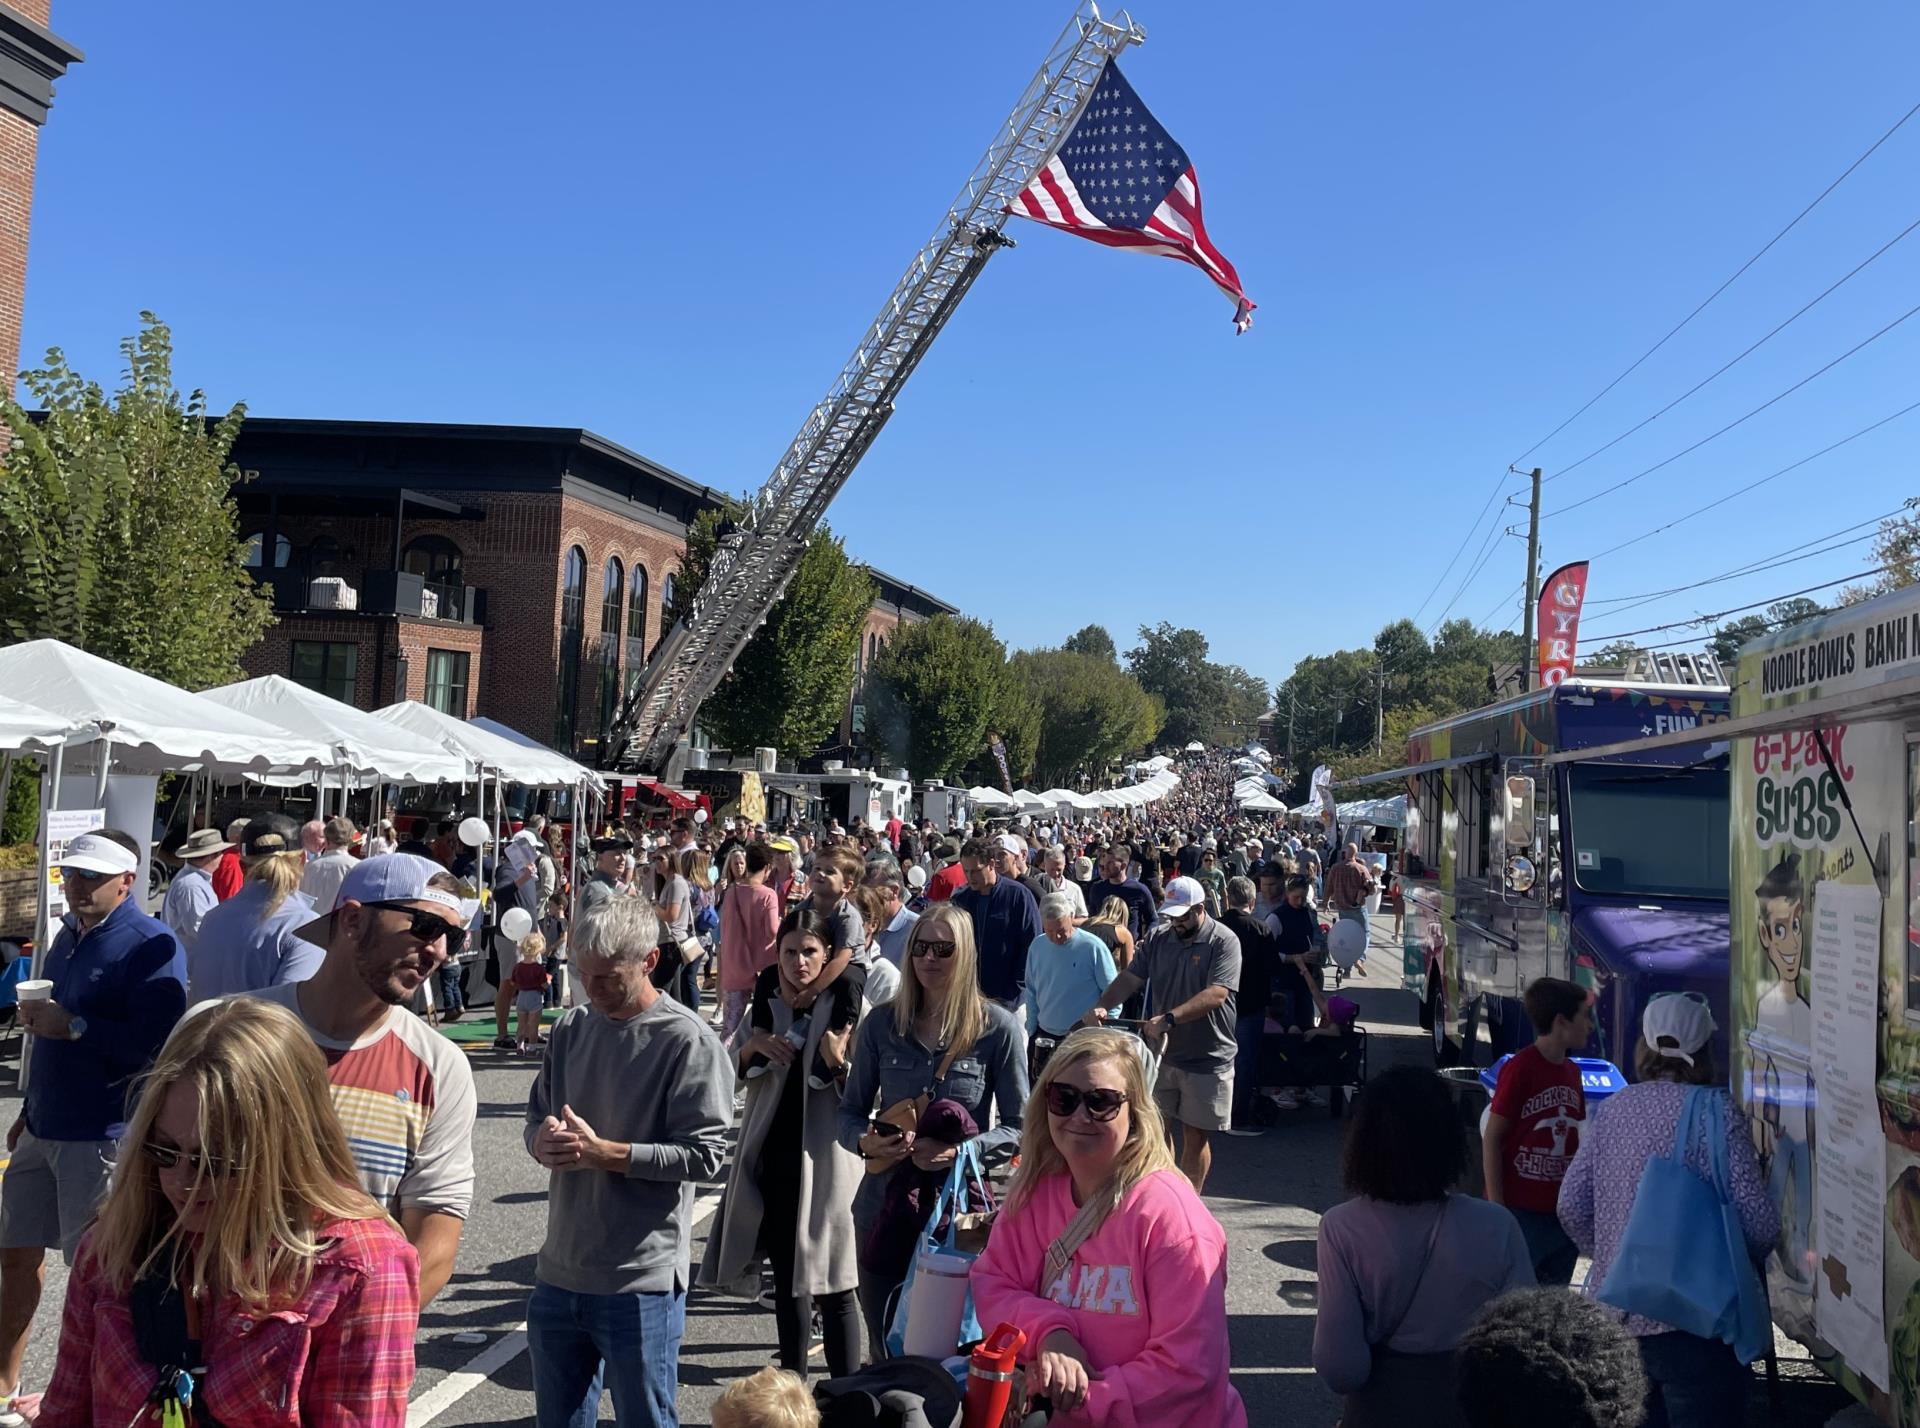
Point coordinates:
[[631, 1106]]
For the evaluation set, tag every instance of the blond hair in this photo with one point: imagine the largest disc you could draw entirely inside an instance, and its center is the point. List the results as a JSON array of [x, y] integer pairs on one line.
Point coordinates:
[[964, 1017], [1145, 1149], [772, 1398], [534, 944], [1113, 913], [281, 872], [265, 1111], [694, 864]]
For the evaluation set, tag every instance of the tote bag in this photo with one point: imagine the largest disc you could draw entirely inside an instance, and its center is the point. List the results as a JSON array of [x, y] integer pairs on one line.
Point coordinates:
[[939, 1238], [1682, 1259]]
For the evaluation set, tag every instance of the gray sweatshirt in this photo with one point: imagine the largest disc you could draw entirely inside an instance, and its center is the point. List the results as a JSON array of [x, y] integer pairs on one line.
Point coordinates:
[[662, 1082]]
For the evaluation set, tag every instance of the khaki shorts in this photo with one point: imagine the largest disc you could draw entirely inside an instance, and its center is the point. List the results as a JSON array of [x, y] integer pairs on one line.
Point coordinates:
[[1201, 1099], [50, 1191]]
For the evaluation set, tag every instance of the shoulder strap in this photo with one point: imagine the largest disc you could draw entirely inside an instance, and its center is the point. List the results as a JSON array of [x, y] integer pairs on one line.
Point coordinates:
[[1426, 1257], [1061, 1252], [946, 1065]]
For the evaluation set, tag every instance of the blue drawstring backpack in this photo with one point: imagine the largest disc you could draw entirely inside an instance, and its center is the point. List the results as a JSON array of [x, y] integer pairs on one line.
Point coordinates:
[[1682, 1259]]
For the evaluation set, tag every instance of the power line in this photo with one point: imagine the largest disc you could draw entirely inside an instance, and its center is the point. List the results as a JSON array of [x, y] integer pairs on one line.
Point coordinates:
[[1734, 610], [1755, 485], [1772, 562], [1818, 200], [1737, 421], [1755, 347], [1481, 557], [1464, 540]]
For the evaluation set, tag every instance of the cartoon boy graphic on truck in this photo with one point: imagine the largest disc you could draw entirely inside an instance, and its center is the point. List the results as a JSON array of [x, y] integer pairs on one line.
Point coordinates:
[[1780, 1082]]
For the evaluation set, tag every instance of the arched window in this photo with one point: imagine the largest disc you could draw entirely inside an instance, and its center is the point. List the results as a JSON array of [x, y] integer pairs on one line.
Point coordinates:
[[434, 558], [613, 592], [666, 598], [282, 550], [573, 619], [636, 623]]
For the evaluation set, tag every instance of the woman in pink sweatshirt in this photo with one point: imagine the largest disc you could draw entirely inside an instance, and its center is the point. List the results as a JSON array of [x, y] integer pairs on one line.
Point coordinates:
[[1106, 1257]]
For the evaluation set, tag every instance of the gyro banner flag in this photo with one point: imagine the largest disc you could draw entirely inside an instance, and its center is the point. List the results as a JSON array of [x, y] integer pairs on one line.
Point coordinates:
[[1557, 620]]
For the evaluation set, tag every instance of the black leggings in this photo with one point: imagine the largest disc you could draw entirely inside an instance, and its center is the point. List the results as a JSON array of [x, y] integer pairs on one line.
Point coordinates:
[[792, 1311]]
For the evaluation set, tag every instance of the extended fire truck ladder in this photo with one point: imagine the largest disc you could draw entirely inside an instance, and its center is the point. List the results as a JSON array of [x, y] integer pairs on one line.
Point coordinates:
[[756, 558]]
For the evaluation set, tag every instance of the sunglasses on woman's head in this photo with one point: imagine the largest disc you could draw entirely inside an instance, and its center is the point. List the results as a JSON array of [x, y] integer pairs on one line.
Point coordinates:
[[198, 1162], [1102, 1104], [932, 947]]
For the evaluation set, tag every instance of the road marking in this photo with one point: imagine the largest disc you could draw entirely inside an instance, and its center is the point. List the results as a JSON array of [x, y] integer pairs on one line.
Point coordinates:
[[509, 1346]]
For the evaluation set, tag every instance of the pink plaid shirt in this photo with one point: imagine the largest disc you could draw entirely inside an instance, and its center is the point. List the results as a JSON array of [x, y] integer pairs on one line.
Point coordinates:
[[339, 1357]]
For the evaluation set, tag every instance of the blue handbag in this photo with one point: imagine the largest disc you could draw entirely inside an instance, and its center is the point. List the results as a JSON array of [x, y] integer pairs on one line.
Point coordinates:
[[939, 1238], [1682, 1259]]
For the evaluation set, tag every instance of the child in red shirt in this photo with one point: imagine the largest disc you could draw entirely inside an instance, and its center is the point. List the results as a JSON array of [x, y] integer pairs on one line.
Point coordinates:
[[529, 980], [1533, 1126]]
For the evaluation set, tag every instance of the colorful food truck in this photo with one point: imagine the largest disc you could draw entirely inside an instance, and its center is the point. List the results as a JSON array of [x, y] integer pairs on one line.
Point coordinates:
[[1824, 986], [1609, 871]]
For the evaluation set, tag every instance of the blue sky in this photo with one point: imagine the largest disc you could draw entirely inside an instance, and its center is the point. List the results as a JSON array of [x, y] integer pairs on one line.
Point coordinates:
[[670, 223]]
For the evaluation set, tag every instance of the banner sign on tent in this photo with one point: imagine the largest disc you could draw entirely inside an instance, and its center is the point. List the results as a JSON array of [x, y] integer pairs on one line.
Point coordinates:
[[1557, 620], [60, 827]]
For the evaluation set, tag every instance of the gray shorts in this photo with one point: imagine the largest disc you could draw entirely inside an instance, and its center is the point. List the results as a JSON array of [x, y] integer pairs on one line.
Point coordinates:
[[50, 1191], [529, 1001], [1201, 1099]]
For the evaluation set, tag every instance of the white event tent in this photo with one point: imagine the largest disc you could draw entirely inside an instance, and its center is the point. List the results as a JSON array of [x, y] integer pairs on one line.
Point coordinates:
[[988, 797], [370, 749], [514, 760]]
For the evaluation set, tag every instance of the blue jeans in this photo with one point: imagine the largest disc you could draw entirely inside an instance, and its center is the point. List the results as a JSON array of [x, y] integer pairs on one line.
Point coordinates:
[[628, 1342], [1248, 1028], [1551, 1249], [453, 996], [1693, 1383]]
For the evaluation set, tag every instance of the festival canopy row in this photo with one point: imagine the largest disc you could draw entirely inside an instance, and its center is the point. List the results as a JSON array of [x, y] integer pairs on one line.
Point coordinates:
[[368, 749], [1374, 812], [516, 759]]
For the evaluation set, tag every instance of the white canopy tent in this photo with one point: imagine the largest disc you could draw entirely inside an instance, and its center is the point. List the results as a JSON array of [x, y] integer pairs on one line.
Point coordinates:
[[1260, 752], [1261, 803], [575, 771], [988, 797], [29, 727], [1196, 747], [1156, 763], [372, 750], [513, 761], [1374, 812], [1029, 801], [1061, 798]]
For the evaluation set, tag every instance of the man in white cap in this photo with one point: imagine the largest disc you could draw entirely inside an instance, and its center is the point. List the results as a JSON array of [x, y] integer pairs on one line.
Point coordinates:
[[119, 985], [1192, 966], [403, 1092], [190, 895]]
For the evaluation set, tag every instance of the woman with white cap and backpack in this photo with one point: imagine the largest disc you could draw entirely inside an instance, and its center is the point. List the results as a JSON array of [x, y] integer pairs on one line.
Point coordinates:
[[1692, 1381]]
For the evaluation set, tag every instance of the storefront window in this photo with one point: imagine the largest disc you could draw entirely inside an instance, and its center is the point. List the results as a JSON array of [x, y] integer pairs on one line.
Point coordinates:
[[573, 619], [447, 682]]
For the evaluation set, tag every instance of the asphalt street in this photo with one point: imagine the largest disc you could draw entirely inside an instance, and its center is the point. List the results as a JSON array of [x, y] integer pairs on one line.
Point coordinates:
[[1268, 1193]]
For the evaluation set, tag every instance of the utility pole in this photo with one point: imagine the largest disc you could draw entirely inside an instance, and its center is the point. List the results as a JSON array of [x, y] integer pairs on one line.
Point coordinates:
[[1379, 704], [1291, 702], [1532, 597]]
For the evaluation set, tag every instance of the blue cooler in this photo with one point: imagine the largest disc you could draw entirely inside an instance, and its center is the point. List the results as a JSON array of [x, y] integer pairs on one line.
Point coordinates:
[[1598, 1079]]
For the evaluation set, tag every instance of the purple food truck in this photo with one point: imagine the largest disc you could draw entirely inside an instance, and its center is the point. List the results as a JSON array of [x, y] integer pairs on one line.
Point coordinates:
[[1610, 872]]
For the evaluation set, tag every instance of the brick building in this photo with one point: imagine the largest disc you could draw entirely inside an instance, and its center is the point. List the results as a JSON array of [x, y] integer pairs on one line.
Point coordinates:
[[517, 572], [32, 57]]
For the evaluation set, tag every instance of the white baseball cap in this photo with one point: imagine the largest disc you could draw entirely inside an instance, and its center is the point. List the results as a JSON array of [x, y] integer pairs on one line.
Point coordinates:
[[1184, 896], [92, 853], [391, 877], [1009, 843], [1682, 1017]]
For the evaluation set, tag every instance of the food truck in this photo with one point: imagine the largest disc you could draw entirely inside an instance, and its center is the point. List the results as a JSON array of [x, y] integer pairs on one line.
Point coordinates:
[[1608, 871], [1824, 979]]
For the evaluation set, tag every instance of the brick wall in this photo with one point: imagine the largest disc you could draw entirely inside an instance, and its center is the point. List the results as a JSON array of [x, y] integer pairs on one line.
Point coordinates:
[[34, 10], [417, 637], [19, 145]]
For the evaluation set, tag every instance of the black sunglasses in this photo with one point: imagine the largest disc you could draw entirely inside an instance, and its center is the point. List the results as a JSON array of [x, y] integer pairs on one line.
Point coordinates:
[[426, 927], [166, 1157], [1102, 1104], [932, 947]]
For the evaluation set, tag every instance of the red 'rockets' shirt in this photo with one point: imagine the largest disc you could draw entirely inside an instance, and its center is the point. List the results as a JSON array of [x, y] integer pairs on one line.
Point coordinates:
[[945, 883], [1545, 1104]]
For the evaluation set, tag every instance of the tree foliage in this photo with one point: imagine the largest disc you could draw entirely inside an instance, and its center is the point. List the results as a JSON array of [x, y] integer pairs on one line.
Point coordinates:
[[790, 684], [118, 521], [1896, 549], [932, 692], [1727, 639], [1091, 712], [1093, 640], [1214, 703]]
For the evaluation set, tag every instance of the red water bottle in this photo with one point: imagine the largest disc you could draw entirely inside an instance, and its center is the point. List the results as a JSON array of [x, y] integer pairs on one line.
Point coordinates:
[[990, 1377]]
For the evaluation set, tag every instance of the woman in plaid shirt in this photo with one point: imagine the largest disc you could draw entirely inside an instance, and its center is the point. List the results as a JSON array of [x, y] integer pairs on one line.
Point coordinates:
[[236, 1241]]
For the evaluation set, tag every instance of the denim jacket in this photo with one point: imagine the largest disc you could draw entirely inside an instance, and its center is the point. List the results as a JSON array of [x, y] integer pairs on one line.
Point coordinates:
[[888, 1067]]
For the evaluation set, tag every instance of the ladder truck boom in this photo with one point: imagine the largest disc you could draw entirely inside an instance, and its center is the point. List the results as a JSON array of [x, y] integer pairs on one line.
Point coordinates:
[[753, 562]]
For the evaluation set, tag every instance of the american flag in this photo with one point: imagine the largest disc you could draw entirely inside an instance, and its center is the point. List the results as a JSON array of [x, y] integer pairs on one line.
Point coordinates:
[[1120, 179]]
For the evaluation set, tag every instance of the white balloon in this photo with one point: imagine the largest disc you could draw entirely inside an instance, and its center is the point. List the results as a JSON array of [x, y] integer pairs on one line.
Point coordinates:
[[699, 815], [474, 832], [515, 923], [1347, 942]]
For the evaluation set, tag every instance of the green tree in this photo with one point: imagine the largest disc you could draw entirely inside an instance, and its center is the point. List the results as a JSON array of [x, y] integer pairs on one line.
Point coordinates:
[[931, 692], [1093, 640], [1091, 712], [1727, 639], [118, 521], [790, 684], [1618, 655], [1214, 703], [1896, 549]]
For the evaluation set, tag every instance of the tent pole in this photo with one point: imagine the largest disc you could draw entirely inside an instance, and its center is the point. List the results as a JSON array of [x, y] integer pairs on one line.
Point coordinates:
[[105, 755], [6, 780]]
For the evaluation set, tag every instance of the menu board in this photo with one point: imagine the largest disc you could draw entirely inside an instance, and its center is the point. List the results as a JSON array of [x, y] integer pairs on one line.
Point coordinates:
[[1850, 1170]]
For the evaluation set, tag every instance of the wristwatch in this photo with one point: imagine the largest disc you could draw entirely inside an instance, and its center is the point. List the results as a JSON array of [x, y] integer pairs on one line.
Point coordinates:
[[76, 1028]]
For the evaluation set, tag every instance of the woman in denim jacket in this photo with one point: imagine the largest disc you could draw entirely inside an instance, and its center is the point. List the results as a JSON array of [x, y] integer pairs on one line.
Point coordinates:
[[941, 1040]]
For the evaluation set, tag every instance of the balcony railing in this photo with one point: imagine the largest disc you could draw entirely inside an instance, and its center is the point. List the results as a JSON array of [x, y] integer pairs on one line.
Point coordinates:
[[377, 592]]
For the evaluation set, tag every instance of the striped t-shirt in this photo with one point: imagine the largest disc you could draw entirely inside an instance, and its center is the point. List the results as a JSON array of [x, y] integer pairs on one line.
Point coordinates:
[[405, 1098]]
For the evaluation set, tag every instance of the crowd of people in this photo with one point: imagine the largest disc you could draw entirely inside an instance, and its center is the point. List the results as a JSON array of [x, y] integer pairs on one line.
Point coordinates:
[[838, 1024]]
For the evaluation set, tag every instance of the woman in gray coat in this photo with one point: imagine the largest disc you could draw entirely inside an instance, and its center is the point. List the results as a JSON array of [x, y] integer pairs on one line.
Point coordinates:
[[789, 1197]]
